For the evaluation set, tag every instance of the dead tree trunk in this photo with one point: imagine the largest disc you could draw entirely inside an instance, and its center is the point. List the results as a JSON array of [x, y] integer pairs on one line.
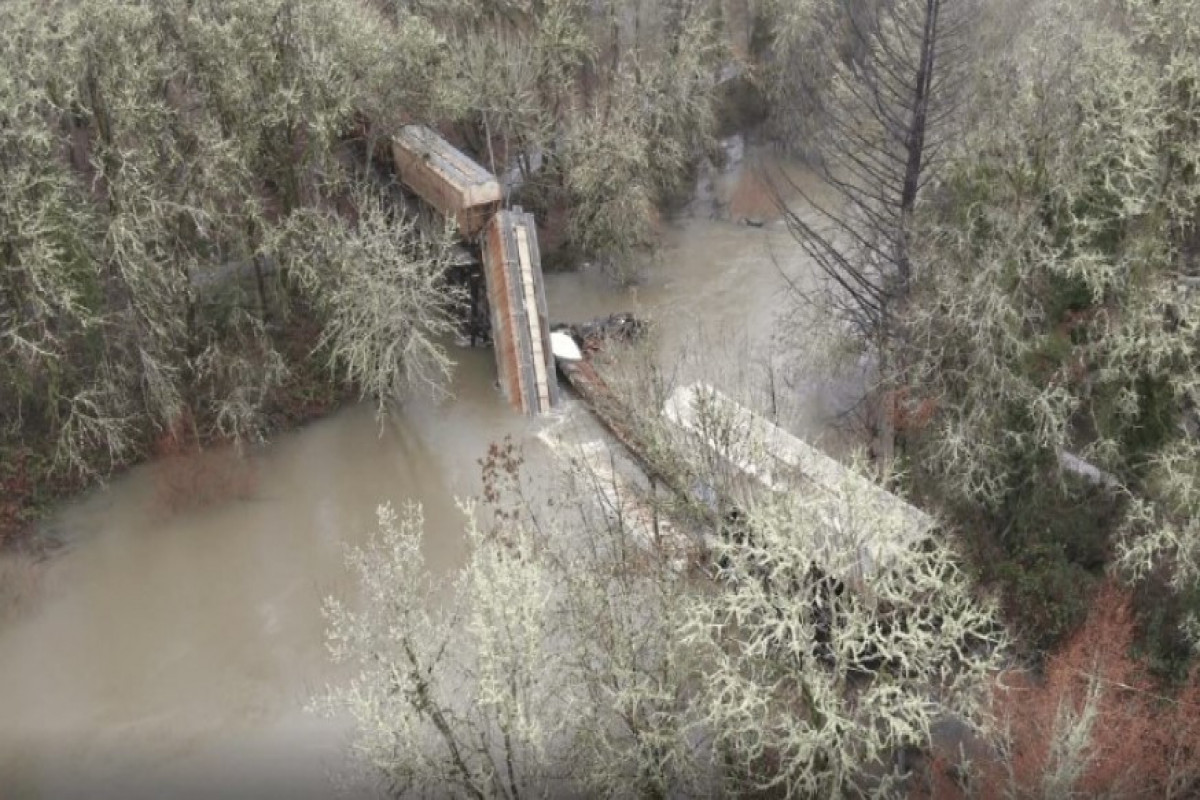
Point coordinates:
[[887, 117]]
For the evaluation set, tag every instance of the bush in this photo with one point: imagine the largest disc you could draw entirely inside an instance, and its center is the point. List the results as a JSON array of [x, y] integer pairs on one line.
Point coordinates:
[[1159, 637], [1045, 550], [1047, 595]]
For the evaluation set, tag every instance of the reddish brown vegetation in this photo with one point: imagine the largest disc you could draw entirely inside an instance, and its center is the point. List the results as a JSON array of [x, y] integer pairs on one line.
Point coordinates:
[[309, 390], [14, 487], [552, 230], [909, 413], [1146, 738], [27, 487]]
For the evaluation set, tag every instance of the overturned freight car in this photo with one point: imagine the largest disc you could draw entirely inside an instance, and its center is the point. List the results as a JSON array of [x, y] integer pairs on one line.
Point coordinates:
[[520, 329], [757, 455], [445, 178]]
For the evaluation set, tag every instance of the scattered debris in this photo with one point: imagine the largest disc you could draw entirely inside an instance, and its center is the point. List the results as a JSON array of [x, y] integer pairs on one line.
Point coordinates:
[[564, 347]]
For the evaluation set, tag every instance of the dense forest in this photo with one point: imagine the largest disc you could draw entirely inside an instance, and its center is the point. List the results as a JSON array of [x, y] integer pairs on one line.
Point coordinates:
[[200, 246], [194, 246]]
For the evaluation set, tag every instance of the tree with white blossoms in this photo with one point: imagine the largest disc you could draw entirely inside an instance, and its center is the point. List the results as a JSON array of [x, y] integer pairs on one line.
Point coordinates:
[[452, 697], [816, 681], [578, 652], [1160, 337], [384, 291], [549, 667], [1051, 380]]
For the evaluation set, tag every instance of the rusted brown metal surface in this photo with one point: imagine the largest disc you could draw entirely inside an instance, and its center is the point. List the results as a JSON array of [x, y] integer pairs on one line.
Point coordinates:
[[445, 178], [520, 329]]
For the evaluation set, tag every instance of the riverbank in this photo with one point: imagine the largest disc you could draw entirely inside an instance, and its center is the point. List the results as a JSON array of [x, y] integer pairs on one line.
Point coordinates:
[[729, 188], [32, 487]]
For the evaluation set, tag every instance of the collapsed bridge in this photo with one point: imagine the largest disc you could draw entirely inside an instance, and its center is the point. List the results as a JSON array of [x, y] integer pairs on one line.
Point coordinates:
[[467, 194]]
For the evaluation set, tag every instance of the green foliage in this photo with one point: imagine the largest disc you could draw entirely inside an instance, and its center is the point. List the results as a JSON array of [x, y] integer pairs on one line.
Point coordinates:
[[1065, 294], [1046, 551], [1047, 594], [149, 152], [1047, 321], [1148, 424], [1162, 637]]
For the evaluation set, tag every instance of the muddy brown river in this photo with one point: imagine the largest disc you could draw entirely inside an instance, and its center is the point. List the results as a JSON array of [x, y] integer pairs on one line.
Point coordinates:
[[167, 652]]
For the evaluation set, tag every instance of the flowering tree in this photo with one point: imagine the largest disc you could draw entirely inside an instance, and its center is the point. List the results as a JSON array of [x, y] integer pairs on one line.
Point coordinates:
[[549, 668], [426, 715], [820, 671], [383, 290], [1053, 330], [582, 651]]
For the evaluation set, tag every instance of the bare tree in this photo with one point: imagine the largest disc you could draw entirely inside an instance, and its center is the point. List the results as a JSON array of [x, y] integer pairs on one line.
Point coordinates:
[[887, 118]]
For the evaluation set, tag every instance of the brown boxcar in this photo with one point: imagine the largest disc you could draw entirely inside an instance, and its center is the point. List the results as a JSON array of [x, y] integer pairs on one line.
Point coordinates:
[[520, 329], [445, 178]]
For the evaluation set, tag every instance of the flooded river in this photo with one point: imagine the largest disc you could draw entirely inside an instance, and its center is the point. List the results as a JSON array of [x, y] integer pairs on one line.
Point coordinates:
[[164, 647], [168, 652]]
